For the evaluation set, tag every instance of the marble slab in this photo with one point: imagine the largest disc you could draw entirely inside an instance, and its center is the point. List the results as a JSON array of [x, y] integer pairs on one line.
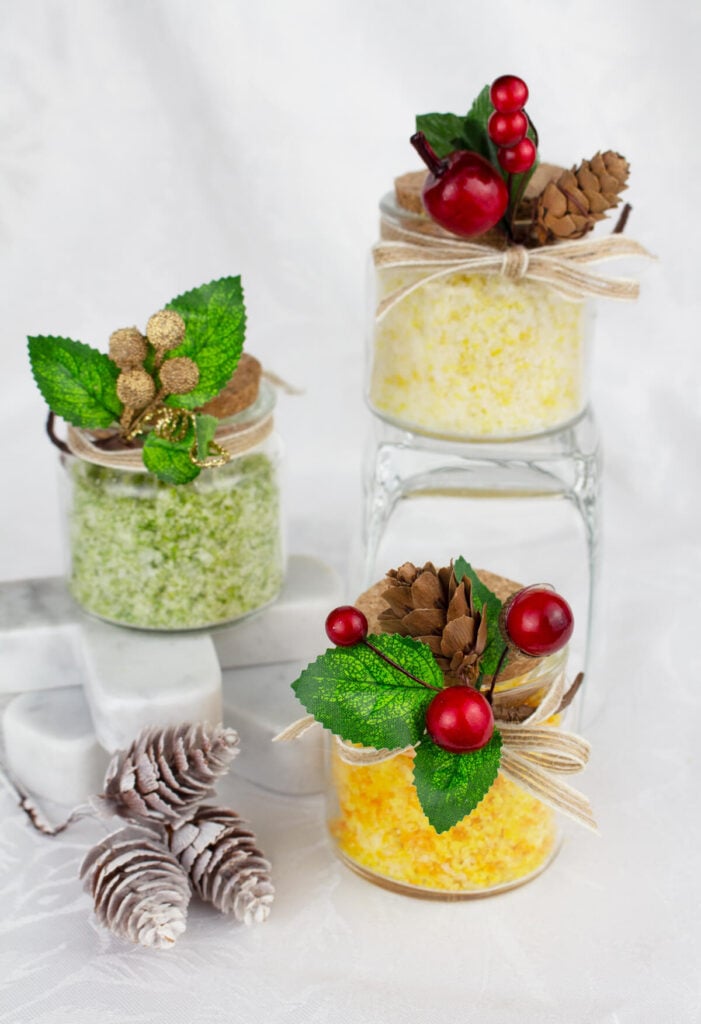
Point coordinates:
[[134, 679], [39, 638], [259, 703], [50, 745], [290, 629]]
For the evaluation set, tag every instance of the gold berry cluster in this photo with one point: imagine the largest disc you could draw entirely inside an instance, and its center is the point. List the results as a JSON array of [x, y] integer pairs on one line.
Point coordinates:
[[142, 390]]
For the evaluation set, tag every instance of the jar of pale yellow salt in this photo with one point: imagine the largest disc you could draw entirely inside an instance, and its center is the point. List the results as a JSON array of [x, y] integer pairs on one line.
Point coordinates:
[[462, 354], [380, 830]]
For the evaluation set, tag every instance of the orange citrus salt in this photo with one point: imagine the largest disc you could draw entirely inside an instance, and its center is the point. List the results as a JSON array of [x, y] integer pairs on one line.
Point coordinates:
[[381, 827]]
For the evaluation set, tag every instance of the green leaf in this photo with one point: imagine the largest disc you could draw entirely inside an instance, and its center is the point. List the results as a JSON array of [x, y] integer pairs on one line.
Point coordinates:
[[359, 697], [474, 128], [449, 786], [443, 131], [78, 382], [205, 429], [170, 460], [215, 320], [483, 597]]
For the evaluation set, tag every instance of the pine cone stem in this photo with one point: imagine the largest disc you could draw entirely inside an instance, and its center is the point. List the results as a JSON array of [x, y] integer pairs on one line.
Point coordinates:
[[34, 813], [622, 220]]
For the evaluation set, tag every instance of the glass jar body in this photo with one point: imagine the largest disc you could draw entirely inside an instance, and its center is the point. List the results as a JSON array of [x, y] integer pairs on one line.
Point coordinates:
[[380, 831], [153, 555], [472, 356]]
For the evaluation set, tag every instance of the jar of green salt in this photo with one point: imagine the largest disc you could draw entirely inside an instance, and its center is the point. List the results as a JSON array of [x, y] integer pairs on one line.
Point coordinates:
[[156, 555]]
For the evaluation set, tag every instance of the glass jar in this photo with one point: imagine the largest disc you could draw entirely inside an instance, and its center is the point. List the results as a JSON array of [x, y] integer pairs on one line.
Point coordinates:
[[153, 555], [471, 356], [380, 831]]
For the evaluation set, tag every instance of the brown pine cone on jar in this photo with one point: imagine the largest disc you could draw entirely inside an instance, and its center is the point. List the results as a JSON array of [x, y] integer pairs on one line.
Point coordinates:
[[430, 605]]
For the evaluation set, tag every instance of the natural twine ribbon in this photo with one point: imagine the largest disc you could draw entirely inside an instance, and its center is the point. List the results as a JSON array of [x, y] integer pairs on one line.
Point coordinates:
[[234, 440], [559, 265], [531, 755]]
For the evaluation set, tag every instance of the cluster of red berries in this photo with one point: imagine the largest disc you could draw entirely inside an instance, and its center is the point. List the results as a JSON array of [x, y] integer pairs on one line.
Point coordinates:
[[459, 718], [508, 125]]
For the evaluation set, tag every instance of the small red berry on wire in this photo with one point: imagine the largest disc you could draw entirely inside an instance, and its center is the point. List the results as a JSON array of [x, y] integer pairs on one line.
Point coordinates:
[[538, 621], [346, 626], [508, 94], [519, 158], [460, 719], [507, 129]]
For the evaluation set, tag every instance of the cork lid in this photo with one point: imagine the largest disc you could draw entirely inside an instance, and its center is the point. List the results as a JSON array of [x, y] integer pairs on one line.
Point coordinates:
[[241, 391]]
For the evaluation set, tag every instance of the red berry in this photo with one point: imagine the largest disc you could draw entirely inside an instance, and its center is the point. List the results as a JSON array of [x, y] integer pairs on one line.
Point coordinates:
[[346, 626], [460, 719], [463, 193], [508, 93], [507, 129], [518, 158], [539, 621]]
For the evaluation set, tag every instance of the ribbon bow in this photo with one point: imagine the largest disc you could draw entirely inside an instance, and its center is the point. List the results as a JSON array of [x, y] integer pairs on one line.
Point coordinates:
[[560, 266]]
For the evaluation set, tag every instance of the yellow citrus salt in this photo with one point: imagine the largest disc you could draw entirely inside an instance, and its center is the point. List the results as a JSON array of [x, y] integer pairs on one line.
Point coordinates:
[[478, 356], [381, 828]]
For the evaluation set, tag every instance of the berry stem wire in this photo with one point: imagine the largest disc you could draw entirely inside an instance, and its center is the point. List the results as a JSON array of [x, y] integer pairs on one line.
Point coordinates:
[[500, 665], [399, 668], [53, 437]]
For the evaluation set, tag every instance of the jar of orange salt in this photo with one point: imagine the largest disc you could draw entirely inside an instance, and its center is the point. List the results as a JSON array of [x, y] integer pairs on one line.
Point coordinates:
[[409, 807]]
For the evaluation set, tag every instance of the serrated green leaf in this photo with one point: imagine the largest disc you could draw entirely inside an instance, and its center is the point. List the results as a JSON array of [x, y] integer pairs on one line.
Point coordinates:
[[450, 786], [215, 321], [205, 429], [443, 131], [170, 460], [474, 128], [78, 382], [359, 697], [483, 597]]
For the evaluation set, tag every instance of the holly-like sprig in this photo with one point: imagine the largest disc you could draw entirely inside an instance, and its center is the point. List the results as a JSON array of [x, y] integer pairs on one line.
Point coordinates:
[[152, 385], [388, 692], [508, 141], [481, 165]]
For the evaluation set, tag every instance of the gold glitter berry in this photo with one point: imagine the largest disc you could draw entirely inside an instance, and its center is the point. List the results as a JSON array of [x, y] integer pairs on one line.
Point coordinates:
[[165, 330]]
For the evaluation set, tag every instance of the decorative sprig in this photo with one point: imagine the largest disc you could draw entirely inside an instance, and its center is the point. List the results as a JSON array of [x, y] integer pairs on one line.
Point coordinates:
[[151, 385], [376, 691], [448, 132]]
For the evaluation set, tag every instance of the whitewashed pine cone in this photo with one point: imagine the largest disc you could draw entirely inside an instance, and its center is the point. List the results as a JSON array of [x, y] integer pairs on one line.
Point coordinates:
[[225, 867], [139, 890], [166, 773]]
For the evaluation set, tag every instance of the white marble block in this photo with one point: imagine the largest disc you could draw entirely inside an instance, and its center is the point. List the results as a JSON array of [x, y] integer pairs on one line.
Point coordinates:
[[39, 639], [134, 679], [292, 628], [50, 746], [40, 628], [259, 703]]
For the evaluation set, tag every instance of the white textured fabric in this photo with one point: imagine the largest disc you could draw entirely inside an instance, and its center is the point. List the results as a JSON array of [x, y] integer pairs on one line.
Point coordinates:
[[150, 146]]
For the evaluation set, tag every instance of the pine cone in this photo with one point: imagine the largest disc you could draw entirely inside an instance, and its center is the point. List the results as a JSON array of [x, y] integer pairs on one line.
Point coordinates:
[[223, 863], [166, 773], [139, 889], [430, 605], [570, 206]]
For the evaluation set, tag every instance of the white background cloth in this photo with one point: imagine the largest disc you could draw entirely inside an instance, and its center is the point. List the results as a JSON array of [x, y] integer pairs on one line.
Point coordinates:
[[150, 146]]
